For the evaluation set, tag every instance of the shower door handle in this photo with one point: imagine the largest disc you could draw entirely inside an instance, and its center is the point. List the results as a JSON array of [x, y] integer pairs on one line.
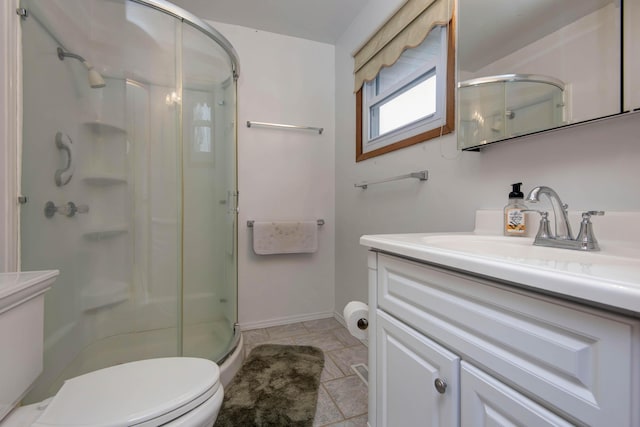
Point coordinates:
[[64, 143]]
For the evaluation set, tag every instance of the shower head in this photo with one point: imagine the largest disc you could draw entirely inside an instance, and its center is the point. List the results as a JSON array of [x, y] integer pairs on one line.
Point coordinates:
[[95, 79]]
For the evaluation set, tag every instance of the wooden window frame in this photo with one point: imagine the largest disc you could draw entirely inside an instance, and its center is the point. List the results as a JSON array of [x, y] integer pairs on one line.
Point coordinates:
[[449, 117]]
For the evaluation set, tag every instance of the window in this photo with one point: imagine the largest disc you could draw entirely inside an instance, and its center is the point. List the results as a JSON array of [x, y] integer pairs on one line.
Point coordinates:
[[202, 128], [404, 79], [410, 101]]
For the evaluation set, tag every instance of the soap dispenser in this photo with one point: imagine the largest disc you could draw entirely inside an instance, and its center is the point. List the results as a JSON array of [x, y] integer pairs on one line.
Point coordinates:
[[514, 215]]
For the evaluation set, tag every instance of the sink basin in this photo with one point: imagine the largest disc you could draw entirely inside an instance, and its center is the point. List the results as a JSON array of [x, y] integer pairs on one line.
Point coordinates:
[[519, 248], [481, 244]]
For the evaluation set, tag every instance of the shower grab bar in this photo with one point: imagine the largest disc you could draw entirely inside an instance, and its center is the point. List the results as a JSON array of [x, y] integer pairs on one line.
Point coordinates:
[[281, 126], [64, 143], [250, 223], [421, 175]]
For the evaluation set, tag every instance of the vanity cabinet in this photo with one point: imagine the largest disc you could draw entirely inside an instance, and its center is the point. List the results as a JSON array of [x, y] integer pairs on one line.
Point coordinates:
[[508, 356]]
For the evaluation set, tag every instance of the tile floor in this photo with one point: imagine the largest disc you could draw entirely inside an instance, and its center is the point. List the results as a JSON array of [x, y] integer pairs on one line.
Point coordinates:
[[342, 398]]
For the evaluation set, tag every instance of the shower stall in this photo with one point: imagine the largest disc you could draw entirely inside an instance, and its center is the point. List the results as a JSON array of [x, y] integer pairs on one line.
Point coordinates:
[[129, 182]]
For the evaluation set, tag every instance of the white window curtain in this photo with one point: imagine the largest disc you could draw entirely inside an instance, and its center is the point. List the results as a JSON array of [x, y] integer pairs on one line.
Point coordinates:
[[406, 28]]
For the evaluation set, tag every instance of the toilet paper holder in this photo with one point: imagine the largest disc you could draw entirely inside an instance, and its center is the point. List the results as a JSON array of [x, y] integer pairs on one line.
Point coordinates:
[[356, 316], [363, 324]]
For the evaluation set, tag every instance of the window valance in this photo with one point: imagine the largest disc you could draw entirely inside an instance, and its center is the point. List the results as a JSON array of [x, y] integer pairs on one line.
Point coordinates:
[[406, 28]]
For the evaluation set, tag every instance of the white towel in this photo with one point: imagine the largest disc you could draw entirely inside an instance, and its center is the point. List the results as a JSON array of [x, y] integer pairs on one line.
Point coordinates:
[[286, 237]]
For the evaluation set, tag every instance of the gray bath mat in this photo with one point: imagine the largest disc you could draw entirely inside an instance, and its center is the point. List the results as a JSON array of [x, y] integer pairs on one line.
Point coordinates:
[[277, 386]]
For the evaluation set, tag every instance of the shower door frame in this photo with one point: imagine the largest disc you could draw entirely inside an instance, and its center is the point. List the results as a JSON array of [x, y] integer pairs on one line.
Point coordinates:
[[11, 135]]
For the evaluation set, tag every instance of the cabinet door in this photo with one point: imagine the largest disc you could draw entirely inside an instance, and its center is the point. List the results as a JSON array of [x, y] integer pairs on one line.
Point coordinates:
[[407, 367], [487, 402]]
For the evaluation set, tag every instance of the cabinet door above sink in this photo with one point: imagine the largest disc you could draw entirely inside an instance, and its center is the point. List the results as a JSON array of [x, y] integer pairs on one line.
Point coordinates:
[[566, 57]]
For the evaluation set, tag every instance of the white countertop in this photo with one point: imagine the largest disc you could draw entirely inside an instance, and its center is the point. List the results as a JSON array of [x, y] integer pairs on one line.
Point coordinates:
[[609, 277], [18, 286]]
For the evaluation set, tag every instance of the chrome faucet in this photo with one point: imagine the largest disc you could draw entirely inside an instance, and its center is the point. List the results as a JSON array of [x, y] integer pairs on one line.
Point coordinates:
[[563, 237], [561, 218]]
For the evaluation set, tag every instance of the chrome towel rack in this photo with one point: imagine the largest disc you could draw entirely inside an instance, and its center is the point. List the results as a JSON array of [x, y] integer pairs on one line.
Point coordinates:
[[250, 223], [421, 175], [281, 126]]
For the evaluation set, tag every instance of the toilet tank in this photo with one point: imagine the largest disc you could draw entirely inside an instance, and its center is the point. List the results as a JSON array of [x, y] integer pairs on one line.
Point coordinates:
[[21, 333]]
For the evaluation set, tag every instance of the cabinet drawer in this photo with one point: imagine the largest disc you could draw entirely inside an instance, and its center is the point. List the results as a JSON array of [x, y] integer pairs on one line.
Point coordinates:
[[572, 359]]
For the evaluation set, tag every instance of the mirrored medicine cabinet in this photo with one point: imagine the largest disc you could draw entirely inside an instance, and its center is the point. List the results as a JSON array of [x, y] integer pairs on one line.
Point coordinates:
[[529, 66]]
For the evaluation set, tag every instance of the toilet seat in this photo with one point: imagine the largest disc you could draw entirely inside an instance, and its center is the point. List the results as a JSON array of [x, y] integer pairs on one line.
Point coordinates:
[[147, 393]]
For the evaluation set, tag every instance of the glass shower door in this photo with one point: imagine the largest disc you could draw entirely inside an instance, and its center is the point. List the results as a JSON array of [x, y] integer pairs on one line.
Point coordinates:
[[101, 170], [209, 197]]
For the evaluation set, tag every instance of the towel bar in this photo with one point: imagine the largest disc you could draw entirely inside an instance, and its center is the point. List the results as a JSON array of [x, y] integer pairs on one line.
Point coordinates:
[[421, 175], [281, 126], [250, 223]]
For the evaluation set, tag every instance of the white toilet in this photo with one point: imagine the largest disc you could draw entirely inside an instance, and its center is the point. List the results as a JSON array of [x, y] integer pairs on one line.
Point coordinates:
[[174, 391]]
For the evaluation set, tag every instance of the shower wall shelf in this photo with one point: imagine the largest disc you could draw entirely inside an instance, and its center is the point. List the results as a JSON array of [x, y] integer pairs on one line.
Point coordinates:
[[104, 179], [104, 292], [281, 126], [105, 231], [103, 127]]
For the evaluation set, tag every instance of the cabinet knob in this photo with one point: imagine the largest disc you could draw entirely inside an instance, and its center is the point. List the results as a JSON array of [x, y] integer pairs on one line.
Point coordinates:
[[441, 385]]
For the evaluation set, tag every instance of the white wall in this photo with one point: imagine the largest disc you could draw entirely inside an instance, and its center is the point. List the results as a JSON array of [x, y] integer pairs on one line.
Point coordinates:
[[284, 175], [591, 166]]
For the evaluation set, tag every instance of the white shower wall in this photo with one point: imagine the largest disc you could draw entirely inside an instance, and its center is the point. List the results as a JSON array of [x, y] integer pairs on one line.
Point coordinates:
[[284, 175]]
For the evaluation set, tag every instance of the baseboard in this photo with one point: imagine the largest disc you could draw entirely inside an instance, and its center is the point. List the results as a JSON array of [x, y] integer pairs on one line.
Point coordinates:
[[340, 318], [246, 326]]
